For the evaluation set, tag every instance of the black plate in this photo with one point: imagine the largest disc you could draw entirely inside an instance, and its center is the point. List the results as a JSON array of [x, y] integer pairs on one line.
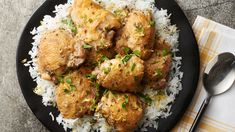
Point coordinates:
[[188, 50]]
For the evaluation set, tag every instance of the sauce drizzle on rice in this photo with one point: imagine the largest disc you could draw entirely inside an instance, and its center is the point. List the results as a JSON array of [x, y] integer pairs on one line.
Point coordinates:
[[161, 100]]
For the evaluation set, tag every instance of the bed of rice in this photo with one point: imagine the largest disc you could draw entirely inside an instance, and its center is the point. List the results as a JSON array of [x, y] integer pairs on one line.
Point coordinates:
[[161, 106]]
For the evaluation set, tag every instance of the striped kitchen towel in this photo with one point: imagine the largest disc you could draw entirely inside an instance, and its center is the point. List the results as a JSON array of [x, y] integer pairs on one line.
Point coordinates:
[[213, 38]]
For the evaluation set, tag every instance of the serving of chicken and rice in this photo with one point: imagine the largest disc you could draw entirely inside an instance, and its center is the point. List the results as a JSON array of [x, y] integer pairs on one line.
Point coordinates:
[[107, 65]]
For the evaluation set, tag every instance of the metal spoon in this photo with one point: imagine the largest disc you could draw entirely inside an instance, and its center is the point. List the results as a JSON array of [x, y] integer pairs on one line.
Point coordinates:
[[218, 77]]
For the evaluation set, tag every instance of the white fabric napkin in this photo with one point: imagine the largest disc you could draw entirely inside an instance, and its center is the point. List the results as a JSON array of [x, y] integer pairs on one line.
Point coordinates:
[[213, 38]]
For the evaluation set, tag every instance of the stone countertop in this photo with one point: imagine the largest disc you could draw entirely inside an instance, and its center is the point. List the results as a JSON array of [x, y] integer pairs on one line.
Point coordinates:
[[15, 115]]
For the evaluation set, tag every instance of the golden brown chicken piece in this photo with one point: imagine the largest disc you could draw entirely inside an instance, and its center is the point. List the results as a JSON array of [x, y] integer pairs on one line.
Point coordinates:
[[57, 52], [95, 25], [75, 95], [121, 74], [121, 110], [138, 34], [158, 66]]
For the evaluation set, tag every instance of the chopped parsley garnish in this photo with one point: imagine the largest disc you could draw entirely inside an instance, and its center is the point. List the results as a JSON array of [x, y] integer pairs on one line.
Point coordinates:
[[133, 67], [165, 52], [70, 24], [117, 12], [72, 87], [105, 91], [139, 28], [90, 20], [98, 89], [68, 80], [137, 53], [66, 90], [106, 70], [120, 13], [84, 17], [155, 62], [118, 56], [126, 58], [86, 46], [126, 50], [158, 72], [146, 98], [93, 107], [152, 23], [102, 43], [60, 79], [104, 58], [126, 101], [97, 86], [91, 76]]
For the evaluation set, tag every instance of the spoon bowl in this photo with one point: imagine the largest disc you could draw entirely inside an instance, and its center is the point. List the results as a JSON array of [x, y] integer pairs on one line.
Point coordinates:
[[218, 77]]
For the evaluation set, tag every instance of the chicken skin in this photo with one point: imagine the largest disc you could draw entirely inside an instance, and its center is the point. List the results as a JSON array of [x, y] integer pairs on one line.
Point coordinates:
[[137, 34], [75, 95], [57, 52], [158, 66], [95, 25], [121, 74], [121, 110]]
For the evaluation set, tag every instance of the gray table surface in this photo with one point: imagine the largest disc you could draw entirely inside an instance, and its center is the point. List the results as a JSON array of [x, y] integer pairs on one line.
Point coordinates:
[[15, 115]]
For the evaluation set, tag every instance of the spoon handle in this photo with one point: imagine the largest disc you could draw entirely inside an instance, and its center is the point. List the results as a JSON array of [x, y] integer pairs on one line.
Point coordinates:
[[199, 114]]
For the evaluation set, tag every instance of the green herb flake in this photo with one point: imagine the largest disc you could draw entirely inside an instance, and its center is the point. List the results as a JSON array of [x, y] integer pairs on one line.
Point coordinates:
[[93, 107], [117, 12], [90, 20], [126, 50], [84, 17], [68, 80], [105, 91], [60, 79], [165, 52], [66, 90], [106, 70], [126, 58], [139, 28], [74, 29], [97, 86], [126, 101], [86, 46], [152, 23], [118, 56], [90, 76], [133, 67], [102, 43], [137, 53], [103, 58], [72, 88], [70, 24], [158, 72], [146, 98]]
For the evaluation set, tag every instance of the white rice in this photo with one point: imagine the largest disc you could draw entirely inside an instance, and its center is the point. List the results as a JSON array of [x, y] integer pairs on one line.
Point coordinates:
[[161, 107]]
